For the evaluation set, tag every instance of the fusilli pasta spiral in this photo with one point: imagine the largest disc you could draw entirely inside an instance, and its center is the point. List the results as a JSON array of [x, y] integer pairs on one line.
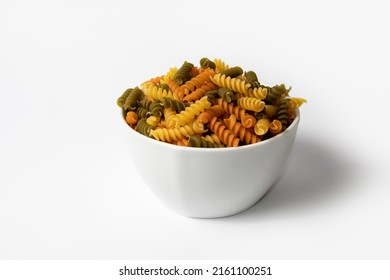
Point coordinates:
[[158, 93], [223, 133], [200, 142], [183, 74], [132, 98], [231, 109], [189, 113], [251, 103], [169, 134], [195, 82], [121, 100], [234, 84], [220, 65], [239, 130], [175, 105], [262, 126], [207, 63], [251, 78], [232, 72]]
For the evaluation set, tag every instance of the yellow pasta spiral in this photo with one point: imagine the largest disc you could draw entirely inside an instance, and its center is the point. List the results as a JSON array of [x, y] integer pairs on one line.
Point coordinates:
[[197, 127], [176, 134], [220, 65], [262, 126], [171, 73], [235, 84], [157, 93], [259, 92], [153, 121], [248, 121], [213, 139], [168, 114], [296, 102], [251, 103], [169, 134], [189, 113]]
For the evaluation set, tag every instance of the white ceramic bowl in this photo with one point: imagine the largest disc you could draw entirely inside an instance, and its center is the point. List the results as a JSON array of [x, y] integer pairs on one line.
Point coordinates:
[[210, 182]]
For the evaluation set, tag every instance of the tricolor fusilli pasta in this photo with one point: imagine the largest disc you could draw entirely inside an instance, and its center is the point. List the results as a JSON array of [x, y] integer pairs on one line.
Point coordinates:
[[210, 105]]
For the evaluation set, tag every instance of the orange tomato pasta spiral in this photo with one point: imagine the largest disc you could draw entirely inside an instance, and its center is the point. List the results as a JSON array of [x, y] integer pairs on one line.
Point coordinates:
[[251, 103], [195, 82], [248, 121], [131, 118], [189, 113], [156, 80], [239, 130], [200, 92], [223, 133], [235, 84], [231, 109], [275, 127], [182, 142], [207, 115], [174, 87]]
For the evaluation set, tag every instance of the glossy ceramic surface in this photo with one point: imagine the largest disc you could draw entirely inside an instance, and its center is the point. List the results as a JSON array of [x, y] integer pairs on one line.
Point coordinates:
[[210, 183]]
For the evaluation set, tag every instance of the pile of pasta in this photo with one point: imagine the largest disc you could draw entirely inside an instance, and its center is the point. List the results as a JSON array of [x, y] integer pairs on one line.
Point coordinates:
[[210, 106]]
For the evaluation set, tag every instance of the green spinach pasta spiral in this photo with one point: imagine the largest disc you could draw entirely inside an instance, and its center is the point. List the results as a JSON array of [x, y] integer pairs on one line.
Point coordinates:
[[282, 113], [211, 95], [200, 142], [226, 94], [163, 86], [144, 103], [155, 108], [251, 78], [207, 63], [143, 127], [121, 100], [142, 112], [232, 72], [278, 91], [183, 74], [176, 105], [132, 98]]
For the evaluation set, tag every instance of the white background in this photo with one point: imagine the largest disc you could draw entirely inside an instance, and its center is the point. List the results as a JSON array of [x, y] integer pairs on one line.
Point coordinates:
[[68, 189]]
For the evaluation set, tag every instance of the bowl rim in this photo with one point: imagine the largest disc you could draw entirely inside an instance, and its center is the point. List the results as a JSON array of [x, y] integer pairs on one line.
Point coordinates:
[[292, 126]]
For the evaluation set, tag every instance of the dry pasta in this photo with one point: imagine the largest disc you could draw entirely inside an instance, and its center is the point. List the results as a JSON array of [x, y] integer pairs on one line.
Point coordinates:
[[210, 105]]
